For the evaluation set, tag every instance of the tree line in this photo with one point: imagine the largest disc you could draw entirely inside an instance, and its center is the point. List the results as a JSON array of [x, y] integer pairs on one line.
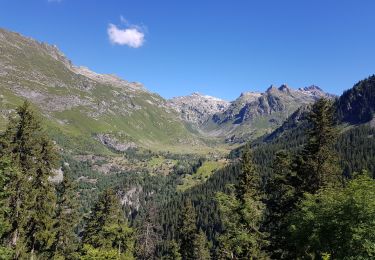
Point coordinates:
[[282, 200]]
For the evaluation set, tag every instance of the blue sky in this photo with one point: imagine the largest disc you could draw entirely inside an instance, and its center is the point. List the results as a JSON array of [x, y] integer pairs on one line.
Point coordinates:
[[220, 48]]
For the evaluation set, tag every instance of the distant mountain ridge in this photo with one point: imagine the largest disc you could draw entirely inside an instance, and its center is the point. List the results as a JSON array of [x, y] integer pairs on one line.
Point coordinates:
[[83, 106], [251, 113]]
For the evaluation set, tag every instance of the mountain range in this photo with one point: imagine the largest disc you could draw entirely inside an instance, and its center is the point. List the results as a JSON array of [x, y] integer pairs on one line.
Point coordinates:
[[87, 111]]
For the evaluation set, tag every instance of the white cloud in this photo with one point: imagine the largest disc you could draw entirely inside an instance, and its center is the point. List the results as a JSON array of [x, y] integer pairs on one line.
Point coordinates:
[[54, 1], [132, 36]]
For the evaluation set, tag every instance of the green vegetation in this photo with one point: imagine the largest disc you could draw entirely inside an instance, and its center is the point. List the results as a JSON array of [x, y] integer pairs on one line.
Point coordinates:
[[304, 191], [201, 175], [241, 214], [339, 222]]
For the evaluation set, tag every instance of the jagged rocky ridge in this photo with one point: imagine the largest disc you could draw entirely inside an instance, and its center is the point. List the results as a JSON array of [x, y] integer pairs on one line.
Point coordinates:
[[251, 112]]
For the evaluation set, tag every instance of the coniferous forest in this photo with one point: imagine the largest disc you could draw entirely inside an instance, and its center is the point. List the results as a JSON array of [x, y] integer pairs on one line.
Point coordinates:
[[305, 191], [187, 130]]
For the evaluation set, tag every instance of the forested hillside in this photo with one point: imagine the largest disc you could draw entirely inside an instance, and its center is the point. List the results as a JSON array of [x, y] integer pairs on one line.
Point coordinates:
[[277, 197]]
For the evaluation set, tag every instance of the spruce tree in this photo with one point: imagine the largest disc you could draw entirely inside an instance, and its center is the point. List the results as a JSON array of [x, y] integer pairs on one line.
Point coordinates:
[[31, 195], [66, 219], [280, 201], [187, 230], [241, 214], [201, 247], [317, 165], [6, 172], [249, 179], [107, 228], [172, 251], [39, 228]]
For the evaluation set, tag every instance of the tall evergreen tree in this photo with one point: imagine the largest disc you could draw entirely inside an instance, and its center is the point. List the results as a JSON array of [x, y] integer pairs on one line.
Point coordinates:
[[172, 251], [280, 201], [6, 172], [187, 230], [201, 247], [317, 165], [107, 228], [249, 179], [39, 228], [31, 199], [66, 219], [241, 216]]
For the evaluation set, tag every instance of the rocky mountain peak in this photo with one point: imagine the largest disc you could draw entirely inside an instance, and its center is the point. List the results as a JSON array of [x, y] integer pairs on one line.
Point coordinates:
[[271, 88], [284, 88], [197, 108], [312, 88], [315, 91]]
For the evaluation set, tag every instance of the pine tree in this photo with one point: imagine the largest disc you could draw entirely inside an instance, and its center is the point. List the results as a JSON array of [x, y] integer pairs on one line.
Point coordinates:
[[39, 228], [280, 201], [317, 166], [187, 230], [66, 219], [14, 201], [107, 228], [201, 247], [172, 252], [249, 179], [6, 172], [31, 196], [241, 216]]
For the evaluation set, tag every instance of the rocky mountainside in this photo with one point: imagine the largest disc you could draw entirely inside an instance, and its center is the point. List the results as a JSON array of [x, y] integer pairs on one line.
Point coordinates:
[[282, 99], [83, 106], [250, 115], [197, 108]]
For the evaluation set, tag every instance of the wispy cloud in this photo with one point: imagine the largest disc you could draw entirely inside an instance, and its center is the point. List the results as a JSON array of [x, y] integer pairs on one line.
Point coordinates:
[[131, 35], [54, 1]]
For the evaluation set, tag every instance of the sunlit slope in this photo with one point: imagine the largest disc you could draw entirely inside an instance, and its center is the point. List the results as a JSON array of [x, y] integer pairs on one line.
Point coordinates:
[[82, 105]]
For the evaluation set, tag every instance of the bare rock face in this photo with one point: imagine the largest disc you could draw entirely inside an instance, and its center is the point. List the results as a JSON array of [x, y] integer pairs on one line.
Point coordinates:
[[274, 100], [114, 143], [197, 108]]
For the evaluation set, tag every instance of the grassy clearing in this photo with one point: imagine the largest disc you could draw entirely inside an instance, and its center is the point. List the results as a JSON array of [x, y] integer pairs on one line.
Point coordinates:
[[202, 174]]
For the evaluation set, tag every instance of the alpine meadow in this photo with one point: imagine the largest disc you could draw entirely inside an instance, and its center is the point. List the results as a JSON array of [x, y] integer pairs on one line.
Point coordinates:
[[94, 166]]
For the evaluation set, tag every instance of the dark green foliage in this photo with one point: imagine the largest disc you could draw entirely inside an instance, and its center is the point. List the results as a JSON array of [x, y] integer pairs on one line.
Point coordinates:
[[172, 251], [241, 216], [280, 201], [6, 172], [201, 247], [357, 105], [187, 231], [39, 227], [66, 219], [107, 227], [249, 179], [317, 165], [31, 198], [311, 169], [356, 148]]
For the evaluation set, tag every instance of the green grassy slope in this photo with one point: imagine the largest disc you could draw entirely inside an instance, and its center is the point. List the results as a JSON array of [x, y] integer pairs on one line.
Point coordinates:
[[80, 106]]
